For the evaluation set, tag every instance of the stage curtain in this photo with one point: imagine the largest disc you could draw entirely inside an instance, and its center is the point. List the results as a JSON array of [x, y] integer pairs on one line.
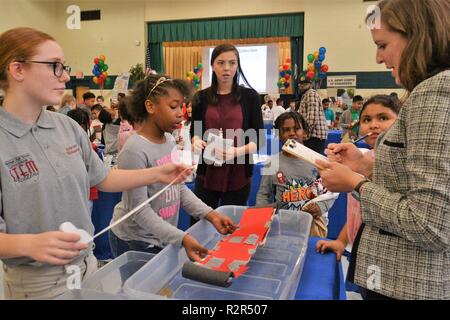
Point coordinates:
[[156, 57], [249, 27], [182, 56], [278, 25]]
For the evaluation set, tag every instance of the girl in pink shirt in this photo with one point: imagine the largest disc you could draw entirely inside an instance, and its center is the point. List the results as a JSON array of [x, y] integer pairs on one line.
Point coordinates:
[[377, 116]]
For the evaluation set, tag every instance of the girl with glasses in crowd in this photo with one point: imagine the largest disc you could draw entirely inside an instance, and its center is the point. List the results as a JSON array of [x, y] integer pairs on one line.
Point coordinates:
[[46, 153]]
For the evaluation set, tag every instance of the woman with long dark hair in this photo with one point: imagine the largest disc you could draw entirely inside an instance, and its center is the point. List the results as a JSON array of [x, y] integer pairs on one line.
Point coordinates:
[[229, 109]]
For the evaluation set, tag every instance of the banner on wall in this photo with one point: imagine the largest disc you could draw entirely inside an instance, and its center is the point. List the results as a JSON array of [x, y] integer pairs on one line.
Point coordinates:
[[341, 81], [120, 85]]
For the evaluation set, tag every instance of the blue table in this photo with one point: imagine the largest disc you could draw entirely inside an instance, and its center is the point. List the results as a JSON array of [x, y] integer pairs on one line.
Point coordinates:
[[337, 216], [322, 277], [101, 217], [184, 221], [334, 136], [268, 125]]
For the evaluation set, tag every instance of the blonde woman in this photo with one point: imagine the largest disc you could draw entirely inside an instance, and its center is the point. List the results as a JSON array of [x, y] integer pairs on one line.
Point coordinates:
[[68, 102], [401, 251]]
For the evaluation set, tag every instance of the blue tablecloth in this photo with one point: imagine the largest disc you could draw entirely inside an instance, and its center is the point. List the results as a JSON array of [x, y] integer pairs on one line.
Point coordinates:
[[268, 125], [101, 217], [337, 216], [322, 277], [334, 136]]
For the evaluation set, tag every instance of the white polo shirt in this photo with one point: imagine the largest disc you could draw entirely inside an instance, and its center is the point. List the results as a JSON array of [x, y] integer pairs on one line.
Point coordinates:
[[46, 171]]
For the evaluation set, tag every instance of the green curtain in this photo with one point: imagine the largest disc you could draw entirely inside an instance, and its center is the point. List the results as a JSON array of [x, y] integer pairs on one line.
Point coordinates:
[[156, 56], [296, 62], [278, 25], [284, 25]]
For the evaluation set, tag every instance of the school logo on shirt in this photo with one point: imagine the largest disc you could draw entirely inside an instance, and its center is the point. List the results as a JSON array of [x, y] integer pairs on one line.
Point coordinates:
[[22, 168], [72, 149]]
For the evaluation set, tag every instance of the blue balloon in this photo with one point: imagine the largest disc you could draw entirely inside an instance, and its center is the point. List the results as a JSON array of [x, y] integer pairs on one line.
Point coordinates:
[[321, 57], [195, 70], [322, 50], [318, 65], [322, 75], [282, 73]]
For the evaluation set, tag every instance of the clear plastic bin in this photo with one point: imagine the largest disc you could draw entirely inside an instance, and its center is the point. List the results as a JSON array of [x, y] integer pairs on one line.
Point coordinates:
[[273, 272], [110, 278]]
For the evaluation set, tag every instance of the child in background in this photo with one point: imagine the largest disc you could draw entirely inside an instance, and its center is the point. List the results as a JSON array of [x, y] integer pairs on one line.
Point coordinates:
[[329, 114], [181, 134], [110, 131], [83, 119], [377, 115], [296, 182], [128, 126], [267, 111], [95, 130], [156, 102], [350, 120]]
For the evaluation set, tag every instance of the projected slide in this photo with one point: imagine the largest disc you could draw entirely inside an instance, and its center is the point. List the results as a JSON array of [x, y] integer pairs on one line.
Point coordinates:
[[259, 64]]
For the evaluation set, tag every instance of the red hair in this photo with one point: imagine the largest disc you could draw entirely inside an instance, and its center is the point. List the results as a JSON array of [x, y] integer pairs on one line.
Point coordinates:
[[18, 44]]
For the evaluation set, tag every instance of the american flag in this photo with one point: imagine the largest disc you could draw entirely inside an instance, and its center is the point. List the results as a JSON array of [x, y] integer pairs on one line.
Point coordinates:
[[148, 69]]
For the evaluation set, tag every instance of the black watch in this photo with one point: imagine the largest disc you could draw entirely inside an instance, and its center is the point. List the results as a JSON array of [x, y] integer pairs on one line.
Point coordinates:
[[356, 192]]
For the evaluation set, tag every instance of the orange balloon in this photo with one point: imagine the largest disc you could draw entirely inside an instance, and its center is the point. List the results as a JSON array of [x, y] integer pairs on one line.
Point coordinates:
[[102, 57], [316, 55], [95, 80]]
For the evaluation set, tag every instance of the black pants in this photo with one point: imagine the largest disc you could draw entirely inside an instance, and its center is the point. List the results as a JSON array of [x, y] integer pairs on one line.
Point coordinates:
[[316, 144], [216, 198], [371, 295]]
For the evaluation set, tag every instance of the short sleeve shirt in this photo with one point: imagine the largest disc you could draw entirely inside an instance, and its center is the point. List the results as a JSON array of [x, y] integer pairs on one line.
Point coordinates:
[[46, 171]]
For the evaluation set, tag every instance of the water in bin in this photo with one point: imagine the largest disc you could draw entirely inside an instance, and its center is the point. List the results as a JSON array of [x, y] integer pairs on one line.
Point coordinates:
[[111, 277]]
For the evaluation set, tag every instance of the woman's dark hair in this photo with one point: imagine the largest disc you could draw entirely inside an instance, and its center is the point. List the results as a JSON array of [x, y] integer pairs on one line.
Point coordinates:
[[105, 117], [298, 118], [97, 107], [236, 89], [124, 114], [385, 101], [152, 88], [188, 119], [81, 117]]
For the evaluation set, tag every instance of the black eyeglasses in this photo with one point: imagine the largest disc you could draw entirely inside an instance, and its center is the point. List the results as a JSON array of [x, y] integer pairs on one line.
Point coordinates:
[[58, 67]]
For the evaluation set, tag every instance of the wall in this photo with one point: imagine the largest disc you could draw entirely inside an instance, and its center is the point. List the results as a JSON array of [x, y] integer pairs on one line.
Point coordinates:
[[25, 13], [337, 25], [115, 35]]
